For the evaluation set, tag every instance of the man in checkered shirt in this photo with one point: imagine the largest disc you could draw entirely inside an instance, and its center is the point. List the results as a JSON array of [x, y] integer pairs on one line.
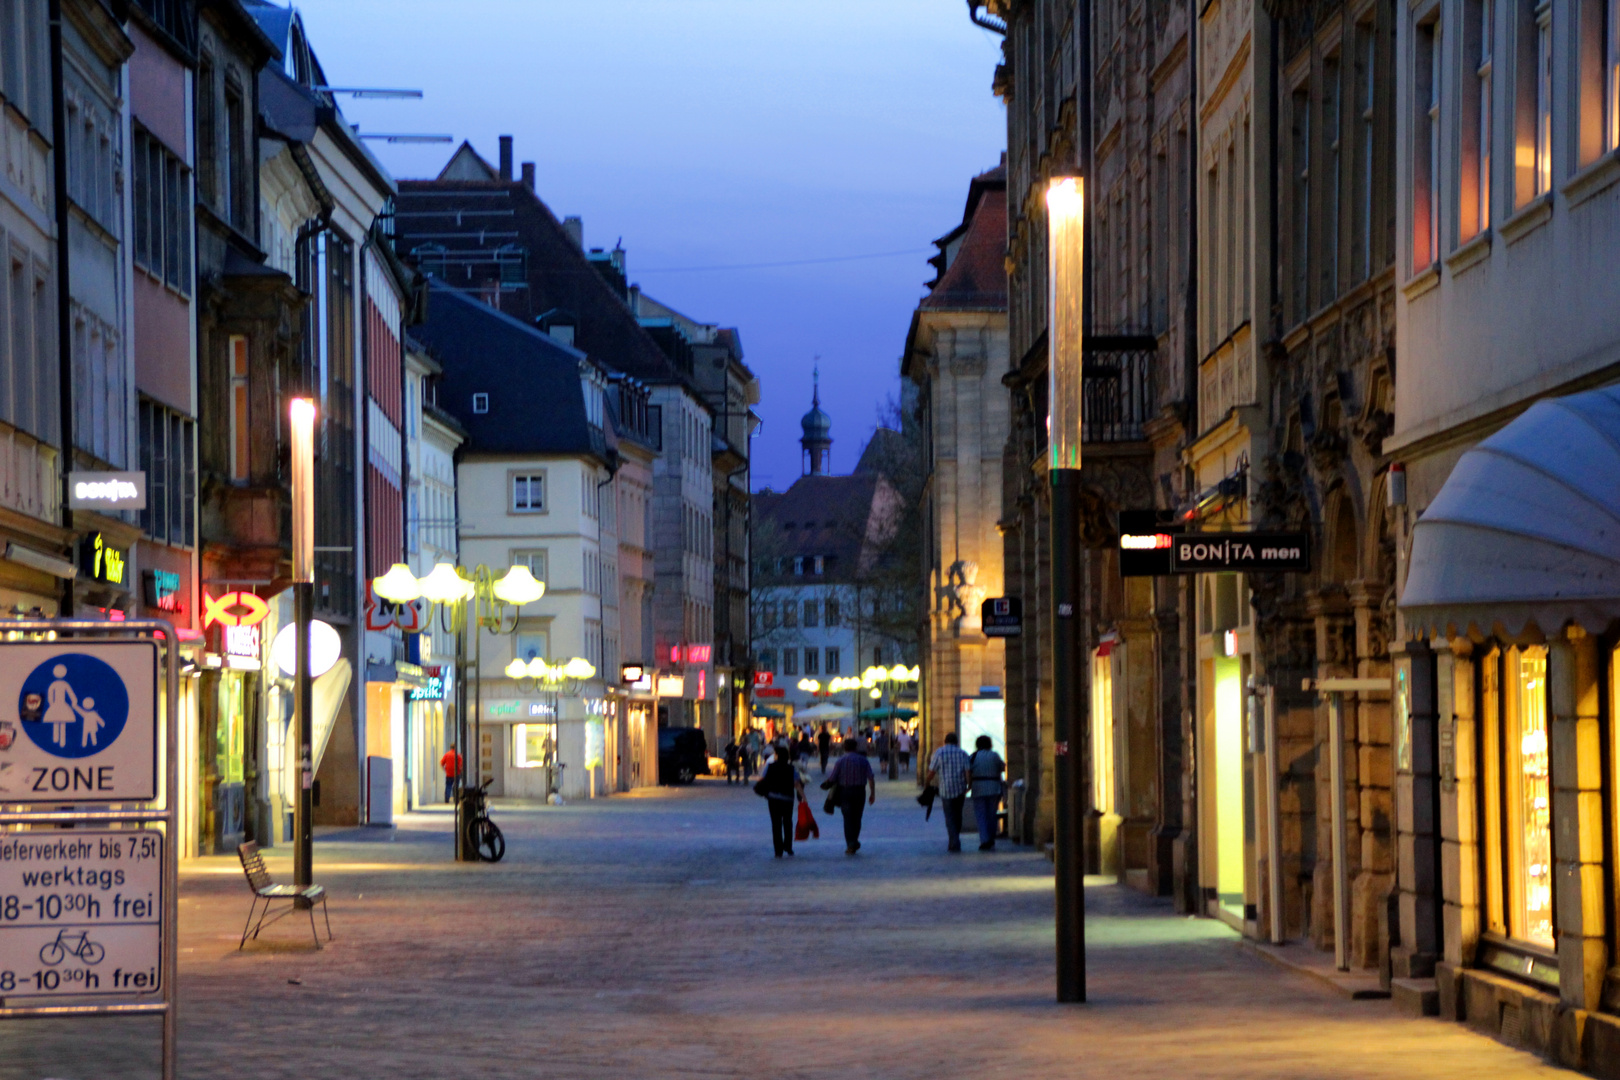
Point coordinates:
[[948, 770]]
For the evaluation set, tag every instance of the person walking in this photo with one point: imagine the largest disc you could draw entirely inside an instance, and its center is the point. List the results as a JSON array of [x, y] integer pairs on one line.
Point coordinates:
[[903, 742], [781, 787], [733, 754], [984, 772], [750, 748], [824, 744], [856, 786], [451, 764], [948, 771]]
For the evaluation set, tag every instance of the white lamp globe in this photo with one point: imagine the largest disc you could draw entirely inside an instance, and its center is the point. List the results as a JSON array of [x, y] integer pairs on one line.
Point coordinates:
[[325, 648]]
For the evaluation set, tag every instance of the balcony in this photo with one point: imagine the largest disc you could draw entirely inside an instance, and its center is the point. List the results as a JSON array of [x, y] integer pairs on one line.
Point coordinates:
[[1117, 397]]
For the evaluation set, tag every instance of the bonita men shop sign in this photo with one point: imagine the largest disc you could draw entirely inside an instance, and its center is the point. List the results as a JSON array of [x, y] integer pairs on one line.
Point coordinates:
[[1205, 553]]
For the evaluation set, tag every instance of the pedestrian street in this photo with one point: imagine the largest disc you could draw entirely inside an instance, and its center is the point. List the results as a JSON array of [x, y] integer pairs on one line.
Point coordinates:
[[652, 935]]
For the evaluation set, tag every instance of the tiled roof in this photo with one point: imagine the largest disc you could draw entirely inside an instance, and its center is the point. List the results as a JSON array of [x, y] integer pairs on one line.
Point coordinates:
[[835, 517], [976, 277]]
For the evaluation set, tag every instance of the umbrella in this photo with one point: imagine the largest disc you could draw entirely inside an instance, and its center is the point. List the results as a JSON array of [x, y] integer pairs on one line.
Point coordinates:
[[769, 712], [825, 711], [890, 713]]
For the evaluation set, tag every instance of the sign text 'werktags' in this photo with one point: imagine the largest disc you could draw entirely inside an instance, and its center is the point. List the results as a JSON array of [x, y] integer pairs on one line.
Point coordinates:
[[1197, 553], [78, 721]]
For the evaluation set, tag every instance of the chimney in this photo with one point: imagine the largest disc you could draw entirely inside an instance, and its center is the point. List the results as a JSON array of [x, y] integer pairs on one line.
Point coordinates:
[[506, 158], [575, 228], [528, 175]]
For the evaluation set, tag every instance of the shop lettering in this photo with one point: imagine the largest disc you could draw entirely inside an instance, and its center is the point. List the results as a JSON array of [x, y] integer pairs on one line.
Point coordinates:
[[1241, 551], [97, 778]]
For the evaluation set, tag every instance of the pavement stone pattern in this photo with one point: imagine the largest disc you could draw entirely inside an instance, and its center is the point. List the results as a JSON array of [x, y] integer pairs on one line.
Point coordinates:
[[653, 936]]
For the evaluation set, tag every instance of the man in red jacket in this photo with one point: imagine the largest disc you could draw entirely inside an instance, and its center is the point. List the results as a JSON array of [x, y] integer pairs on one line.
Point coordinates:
[[451, 764]]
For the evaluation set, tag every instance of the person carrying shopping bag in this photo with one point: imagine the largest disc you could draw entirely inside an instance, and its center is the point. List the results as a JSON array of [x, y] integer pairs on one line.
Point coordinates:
[[780, 786], [984, 770]]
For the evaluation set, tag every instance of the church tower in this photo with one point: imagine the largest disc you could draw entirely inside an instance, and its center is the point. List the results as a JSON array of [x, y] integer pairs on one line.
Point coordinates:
[[817, 438]]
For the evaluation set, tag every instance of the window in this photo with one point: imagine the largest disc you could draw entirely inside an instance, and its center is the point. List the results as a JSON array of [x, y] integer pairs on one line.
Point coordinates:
[[238, 181], [832, 661], [812, 661], [1366, 88], [790, 614], [169, 461], [821, 565], [767, 660], [768, 615], [798, 565], [534, 559], [480, 404], [1544, 97], [162, 212], [1529, 799], [528, 493], [1474, 178], [829, 610], [207, 132], [1302, 200], [1611, 36], [241, 430], [1532, 100], [810, 613], [790, 661], [1426, 148], [877, 655], [1330, 177]]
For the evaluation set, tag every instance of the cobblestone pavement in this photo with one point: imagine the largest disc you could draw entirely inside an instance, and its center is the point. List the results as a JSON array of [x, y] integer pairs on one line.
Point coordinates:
[[653, 936]]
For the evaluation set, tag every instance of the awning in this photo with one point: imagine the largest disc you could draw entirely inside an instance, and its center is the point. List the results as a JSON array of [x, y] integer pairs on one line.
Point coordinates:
[[824, 711], [1526, 530]]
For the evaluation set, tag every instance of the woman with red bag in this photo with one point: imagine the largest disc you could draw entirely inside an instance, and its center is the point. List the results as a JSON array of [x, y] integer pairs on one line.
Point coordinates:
[[780, 786]]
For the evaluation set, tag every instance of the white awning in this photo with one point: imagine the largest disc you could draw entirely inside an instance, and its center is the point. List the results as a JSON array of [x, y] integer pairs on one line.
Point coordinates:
[[1526, 530]]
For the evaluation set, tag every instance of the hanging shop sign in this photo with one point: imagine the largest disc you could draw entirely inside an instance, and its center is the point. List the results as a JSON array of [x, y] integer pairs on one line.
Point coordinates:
[[1002, 616], [432, 686], [234, 609], [100, 561], [106, 490], [160, 589], [764, 678], [1145, 538], [409, 617], [88, 718], [1203, 553]]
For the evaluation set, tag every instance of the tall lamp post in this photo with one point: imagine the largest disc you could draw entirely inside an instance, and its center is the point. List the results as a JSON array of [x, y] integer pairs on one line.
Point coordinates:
[[1065, 216], [301, 414], [454, 591]]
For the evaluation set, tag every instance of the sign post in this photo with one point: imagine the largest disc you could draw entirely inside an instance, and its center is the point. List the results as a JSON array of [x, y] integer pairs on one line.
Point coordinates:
[[88, 908]]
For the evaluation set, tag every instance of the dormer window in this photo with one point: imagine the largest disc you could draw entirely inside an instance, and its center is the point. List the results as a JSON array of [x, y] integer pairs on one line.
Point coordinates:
[[821, 566], [798, 565], [480, 404]]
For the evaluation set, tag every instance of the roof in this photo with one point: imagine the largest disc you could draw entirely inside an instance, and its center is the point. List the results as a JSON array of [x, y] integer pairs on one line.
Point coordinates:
[[836, 517], [886, 445], [536, 399], [557, 273], [974, 277], [466, 164], [1526, 529]]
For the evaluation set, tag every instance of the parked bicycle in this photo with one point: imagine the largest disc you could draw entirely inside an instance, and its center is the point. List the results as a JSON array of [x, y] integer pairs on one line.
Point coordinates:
[[483, 835], [77, 945]]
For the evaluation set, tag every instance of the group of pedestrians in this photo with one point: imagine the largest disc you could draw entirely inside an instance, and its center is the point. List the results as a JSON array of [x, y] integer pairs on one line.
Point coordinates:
[[851, 784], [742, 757]]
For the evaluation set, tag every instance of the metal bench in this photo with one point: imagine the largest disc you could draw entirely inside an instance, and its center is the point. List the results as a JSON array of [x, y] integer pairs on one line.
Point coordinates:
[[258, 879]]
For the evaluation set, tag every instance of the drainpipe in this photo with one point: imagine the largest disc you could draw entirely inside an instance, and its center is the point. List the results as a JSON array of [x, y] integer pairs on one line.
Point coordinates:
[[64, 290]]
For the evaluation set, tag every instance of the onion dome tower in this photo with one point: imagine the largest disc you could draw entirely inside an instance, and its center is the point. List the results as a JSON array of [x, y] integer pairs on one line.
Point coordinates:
[[817, 438]]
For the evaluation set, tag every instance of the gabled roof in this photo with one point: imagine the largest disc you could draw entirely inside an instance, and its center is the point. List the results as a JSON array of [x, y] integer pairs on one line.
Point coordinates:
[[836, 517], [465, 164], [974, 255], [536, 401]]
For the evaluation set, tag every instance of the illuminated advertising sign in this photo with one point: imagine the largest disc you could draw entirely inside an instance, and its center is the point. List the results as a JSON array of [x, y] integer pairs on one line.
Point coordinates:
[[102, 562], [106, 490], [161, 591]]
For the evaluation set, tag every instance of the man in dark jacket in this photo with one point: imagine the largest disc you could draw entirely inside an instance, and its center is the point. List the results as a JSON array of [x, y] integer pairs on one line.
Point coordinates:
[[857, 789], [781, 786], [824, 744]]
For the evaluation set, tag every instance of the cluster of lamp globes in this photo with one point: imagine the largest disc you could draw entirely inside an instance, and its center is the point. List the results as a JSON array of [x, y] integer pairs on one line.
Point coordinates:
[[444, 584], [578, 669], [868, 681]]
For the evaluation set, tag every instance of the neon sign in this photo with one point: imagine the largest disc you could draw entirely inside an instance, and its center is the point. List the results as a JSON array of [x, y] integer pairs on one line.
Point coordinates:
[[219, 612]]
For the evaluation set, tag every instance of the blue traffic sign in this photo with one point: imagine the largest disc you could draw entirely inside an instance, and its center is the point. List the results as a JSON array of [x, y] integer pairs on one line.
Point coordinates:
[[73, 705]]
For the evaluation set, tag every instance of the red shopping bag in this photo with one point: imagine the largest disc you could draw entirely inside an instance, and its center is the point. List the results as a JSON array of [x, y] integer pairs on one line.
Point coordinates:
[[807, 827]]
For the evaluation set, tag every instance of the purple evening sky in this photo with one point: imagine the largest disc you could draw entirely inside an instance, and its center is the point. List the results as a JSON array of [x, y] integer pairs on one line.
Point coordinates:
[[711, 133]]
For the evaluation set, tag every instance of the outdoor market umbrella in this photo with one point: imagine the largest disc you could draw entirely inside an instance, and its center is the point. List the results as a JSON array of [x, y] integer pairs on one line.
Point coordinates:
[[890, 713], [825, 711]]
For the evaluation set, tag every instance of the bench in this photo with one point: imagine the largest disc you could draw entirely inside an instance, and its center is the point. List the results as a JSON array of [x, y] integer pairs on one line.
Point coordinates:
[[296, 898]]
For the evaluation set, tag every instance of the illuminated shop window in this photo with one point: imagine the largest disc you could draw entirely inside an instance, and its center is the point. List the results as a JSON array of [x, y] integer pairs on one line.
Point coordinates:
[[1529, 799], [534, 746]]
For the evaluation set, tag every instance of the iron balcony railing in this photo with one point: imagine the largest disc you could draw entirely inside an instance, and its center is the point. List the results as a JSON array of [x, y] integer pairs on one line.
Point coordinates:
[[1117, 398]]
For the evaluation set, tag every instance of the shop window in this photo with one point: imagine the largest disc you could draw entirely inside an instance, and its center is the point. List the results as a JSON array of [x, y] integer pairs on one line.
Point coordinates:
[[534, 746], [1529, 800], [1102, 731]]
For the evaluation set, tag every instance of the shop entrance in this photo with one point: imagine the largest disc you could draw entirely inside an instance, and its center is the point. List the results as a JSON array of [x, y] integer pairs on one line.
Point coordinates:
[[1231, 782]]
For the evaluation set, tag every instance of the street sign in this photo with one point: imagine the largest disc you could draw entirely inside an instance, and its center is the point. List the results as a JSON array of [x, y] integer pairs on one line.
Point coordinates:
[[1145, 537], [81, 914], [1202, 553], [78, 721], [1002, 616]]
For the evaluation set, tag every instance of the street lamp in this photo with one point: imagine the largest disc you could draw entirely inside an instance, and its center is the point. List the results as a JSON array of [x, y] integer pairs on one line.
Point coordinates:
[[301, 426], [1065, 336], [454, 591]]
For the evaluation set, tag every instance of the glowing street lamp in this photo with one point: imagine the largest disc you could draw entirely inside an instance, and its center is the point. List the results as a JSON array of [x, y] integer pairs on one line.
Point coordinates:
[[301, 430], [1066, 323]]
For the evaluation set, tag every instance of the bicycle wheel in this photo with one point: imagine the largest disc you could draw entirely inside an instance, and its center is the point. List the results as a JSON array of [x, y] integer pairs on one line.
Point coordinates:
[[92, 953], [52, 953], [487, 840]]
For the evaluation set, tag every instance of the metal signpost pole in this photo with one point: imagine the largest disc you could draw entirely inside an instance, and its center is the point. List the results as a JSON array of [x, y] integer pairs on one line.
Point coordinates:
[[1069, 815], [94, 685]]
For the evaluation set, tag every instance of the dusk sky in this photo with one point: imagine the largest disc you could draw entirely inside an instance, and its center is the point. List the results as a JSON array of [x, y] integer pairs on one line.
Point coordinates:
[[715, 134]]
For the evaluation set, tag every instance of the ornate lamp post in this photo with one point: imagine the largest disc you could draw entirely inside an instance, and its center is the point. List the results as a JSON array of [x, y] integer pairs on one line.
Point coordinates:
[[459, 595], [1065, 329]]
